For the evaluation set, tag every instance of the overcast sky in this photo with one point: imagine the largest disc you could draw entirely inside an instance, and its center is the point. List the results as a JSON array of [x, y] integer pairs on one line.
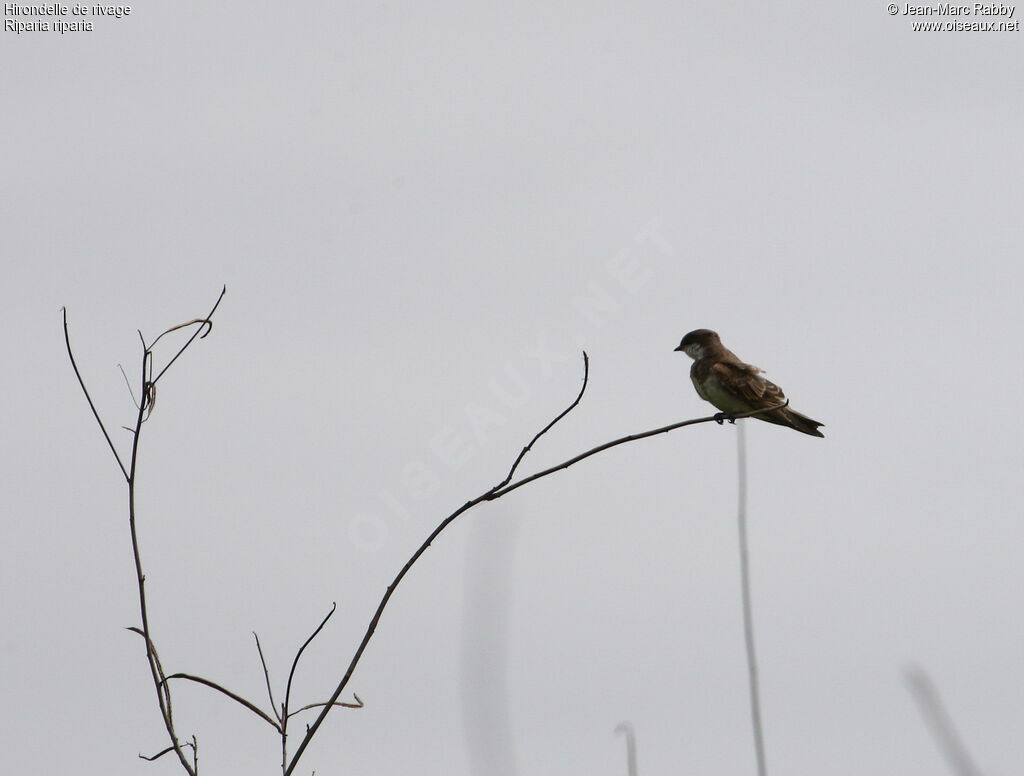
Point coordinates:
[[423, 213]]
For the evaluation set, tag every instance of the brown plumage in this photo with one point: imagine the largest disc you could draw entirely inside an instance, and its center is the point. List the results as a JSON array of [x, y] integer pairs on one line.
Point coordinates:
[[735, 387]]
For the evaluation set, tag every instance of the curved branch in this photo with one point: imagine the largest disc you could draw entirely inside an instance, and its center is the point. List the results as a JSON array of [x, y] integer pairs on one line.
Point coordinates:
[[163, 691], [233, 696], [144, 407], [127, 383], [88, 398], [543, 431], [206, 323], [266, 676], [489, 495], [191, 339], [332, 701], [191, 744], [357, 705], [295, 663], [158, 755], [717, 418], [161, 676]]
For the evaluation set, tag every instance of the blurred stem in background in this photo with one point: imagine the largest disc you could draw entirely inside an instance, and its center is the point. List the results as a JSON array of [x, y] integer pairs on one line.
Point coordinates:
[[748, 614]]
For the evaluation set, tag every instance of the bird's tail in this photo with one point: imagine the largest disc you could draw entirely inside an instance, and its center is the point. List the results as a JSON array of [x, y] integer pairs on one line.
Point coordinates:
[[793, 419]]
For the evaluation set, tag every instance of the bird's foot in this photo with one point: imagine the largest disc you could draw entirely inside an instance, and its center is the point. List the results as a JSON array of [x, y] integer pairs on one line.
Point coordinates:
[[721, 417]]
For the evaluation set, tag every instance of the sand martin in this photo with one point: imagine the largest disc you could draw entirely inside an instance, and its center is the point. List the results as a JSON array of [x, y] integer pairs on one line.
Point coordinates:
[[734, 387]]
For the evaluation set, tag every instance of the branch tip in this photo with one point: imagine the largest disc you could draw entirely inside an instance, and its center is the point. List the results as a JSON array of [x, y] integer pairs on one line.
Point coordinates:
[[295, 662], [157, 756], [88, 398]]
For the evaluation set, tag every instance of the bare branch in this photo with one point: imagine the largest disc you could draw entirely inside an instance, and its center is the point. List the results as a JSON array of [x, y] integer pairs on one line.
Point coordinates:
[[149, 398], [233, 696], [205, 321], [543, 431], [161, 681], [88, 398], [144, 407], [191, 339], [193, 745], [357, 705], [717, 418], [266, 675], [489, 495], [158, 755], [295, 663], [163, 691], [485, 496], [130, 391], [157, 664], [160, 684]]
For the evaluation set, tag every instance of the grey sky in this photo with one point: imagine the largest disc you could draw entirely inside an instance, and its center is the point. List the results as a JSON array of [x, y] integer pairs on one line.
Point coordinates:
[[422, 214]]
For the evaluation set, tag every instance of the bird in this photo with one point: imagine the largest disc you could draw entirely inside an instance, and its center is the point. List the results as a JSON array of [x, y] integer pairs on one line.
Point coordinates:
[[735, 387]]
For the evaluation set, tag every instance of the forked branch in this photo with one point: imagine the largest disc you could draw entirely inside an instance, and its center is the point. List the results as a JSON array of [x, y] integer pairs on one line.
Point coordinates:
[[88, 398], [147, 388], [279, 720], [233, 696], [496, 492]]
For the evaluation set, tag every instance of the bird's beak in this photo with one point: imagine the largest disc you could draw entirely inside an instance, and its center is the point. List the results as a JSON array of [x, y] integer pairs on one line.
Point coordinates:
[[676, 350]]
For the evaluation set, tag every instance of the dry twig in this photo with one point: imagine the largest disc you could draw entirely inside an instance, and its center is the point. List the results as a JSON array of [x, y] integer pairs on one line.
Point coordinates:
[[145, 407], [161, 680], [496, 492]]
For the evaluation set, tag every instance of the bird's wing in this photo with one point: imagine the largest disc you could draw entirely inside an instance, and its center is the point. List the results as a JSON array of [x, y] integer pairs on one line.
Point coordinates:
[[745, 382]]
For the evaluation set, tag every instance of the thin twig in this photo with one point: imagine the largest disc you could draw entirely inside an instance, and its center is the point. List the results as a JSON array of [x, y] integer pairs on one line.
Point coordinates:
[[295, 663], [88, 398], [158, 664], [148, 398], [193, 745], [205, 321], [266, 675], [717, 418], [543, 431], [357, 705], [144, 407], [130, 391], [940, 724], [748, 613], [163, 691], [488, 495], [330, 703], [233, 696], [288, 689], [158, 755], [195, 334]]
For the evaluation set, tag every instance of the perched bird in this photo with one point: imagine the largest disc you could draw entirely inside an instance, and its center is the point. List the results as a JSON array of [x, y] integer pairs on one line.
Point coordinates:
[[734, 387]]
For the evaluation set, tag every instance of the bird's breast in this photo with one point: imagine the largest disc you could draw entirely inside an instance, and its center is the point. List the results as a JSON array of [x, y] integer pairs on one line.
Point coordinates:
[[711, 390]]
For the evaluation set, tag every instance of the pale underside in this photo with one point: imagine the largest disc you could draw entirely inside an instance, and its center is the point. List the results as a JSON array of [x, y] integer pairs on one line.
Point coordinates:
[[712, 390]]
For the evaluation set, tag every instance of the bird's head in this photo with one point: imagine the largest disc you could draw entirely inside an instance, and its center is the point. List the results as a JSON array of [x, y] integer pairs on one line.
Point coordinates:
[[697, 343]]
